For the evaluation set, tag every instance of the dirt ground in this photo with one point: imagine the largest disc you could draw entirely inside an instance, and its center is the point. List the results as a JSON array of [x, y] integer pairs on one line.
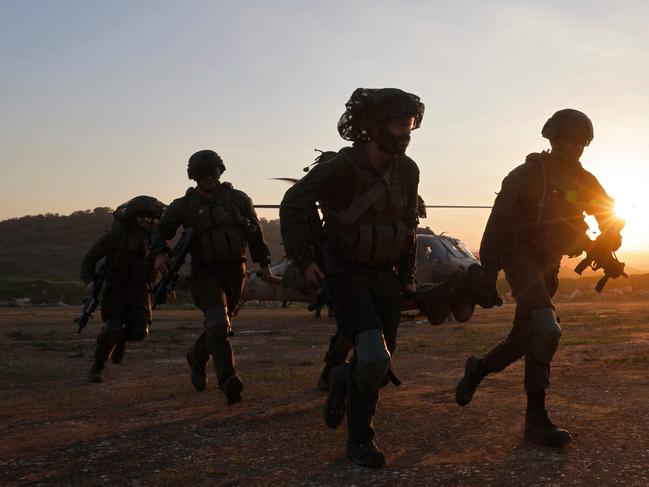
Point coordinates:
[[146, 425]]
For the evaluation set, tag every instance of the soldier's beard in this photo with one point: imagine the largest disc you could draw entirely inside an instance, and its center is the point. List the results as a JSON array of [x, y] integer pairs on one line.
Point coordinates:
[[392, 144]]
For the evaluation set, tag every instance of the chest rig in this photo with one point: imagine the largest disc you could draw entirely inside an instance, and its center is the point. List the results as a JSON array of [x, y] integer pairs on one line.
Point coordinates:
[[372, 230], [221, 228], [559, 225], [131, 263]]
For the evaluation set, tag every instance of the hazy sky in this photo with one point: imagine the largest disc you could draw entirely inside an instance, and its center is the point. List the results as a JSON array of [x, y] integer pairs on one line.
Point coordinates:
[[101, 101]]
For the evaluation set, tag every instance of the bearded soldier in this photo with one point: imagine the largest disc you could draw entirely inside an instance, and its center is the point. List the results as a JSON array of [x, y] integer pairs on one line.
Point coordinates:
[[225, 223], [126, 302], [538, 217], [368, 196]]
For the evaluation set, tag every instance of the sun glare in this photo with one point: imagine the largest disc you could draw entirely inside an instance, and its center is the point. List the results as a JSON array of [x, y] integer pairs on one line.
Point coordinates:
[[634, 210], [626, 183], [633, 207]]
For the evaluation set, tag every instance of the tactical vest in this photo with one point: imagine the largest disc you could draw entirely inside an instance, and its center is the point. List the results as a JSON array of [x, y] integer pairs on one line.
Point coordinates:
[[130, 263], [559, 226], [221, 228], [371, 230]]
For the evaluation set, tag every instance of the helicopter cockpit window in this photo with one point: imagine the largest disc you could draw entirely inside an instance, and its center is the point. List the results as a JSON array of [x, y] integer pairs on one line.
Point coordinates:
[[432, 249], [456, 248], [462, 248]]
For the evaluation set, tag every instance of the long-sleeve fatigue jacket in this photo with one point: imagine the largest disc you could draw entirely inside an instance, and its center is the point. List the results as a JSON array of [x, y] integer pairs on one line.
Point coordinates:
[[335, 183], [130, 268], [520, 209], [180, 212]]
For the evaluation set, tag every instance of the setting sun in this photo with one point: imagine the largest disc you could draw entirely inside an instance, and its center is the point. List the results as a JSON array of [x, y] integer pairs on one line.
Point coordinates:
[[633, 207], [623, 181]]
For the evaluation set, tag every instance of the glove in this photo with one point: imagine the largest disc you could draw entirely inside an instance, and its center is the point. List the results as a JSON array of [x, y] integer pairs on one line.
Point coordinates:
[[486, 292]]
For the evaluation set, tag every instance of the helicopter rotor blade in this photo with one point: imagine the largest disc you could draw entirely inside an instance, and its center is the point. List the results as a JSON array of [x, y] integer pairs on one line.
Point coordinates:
[[427, 206]]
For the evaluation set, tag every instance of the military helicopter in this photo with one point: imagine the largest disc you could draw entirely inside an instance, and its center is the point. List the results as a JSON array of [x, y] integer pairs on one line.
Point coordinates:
[[439, 256]]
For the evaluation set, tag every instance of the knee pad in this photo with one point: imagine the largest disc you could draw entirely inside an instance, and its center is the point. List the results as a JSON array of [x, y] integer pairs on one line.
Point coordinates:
[[217, 321], [545, 334], [137, 333], [372, 361]]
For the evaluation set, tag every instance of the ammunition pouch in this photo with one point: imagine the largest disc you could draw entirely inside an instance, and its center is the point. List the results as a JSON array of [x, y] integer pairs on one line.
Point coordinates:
[[374, 243], [221, 240], [131, 265], [219, 247]]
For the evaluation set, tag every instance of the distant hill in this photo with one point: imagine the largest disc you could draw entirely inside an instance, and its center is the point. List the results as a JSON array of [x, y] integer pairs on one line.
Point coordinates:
[[40, 257], [51, 246], [568, 268]]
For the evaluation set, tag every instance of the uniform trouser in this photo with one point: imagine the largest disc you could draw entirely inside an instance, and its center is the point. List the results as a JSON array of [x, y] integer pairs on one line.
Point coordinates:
[[216, 290], [533, 285], [367, 300], [339, 347], [130, 324]]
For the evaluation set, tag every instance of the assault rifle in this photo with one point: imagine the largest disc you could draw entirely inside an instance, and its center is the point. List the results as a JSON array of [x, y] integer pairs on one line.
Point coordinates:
[[601, 255], [91, 302], [169, 279]]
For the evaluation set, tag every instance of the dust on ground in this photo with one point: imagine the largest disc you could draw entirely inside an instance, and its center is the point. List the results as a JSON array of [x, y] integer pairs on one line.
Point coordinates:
[[146, 425]]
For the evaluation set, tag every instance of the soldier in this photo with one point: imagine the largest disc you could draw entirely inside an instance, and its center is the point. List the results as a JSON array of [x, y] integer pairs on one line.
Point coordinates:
[[536, 219], [225, 223], [339, 344], [368, 195], [126, 302]]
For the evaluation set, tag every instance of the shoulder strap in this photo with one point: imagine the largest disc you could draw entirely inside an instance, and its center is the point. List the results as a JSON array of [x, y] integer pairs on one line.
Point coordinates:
[[365, 202], [191, 196], [225, 194], [544, 193]]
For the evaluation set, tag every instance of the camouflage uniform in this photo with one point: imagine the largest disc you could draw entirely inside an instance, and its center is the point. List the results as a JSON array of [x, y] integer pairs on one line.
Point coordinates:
[[374, 255], [530, 253], [126, 301], [538, 217], [224, 227]]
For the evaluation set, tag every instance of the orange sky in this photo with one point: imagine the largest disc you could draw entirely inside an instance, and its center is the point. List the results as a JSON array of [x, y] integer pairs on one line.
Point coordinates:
[[105, 101]]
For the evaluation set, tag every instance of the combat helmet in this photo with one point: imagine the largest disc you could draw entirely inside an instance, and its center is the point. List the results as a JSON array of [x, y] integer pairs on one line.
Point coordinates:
[[569, 123], [138, 206], [203, 163], [369, 106]]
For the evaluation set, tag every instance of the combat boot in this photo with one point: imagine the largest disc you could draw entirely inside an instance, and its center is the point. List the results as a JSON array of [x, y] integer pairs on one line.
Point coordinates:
[[96, 370], [539, 429], [232, 387], [198, 375], [334, 406], [118, 352], [365, 454], [469, 383]]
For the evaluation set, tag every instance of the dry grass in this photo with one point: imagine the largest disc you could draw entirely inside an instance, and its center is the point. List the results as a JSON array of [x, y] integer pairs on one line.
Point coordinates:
[[146, 425]]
